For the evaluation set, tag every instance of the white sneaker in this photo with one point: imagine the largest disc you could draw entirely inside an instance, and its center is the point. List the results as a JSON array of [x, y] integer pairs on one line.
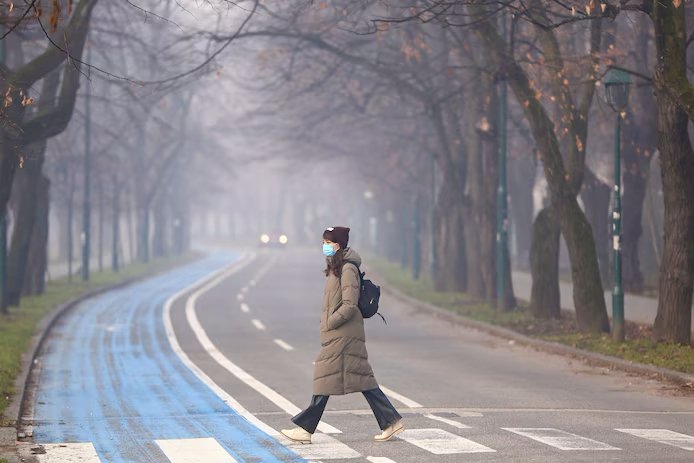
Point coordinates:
[[298, 435], [392, 430]]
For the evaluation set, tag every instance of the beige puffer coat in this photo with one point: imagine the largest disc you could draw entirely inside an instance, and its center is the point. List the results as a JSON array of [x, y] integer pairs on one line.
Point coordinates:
[[342, 365]]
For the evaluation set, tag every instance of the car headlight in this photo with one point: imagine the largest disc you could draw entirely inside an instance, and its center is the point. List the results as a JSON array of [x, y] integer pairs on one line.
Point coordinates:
[[265, 239], [284, 239]]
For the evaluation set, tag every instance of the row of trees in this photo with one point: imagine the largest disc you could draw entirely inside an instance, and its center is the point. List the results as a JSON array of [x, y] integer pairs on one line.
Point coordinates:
[[420, 83], [98, 125], [409, 92]]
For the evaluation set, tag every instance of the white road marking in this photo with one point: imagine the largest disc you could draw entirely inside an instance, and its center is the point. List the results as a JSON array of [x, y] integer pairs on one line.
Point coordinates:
[[258, 324], [239, 297], [283, 345], [380, 460], [231, 367], [561, 439], [400, 398], [244, 290], [252, 283], [194, 450], [221, 393], [245, 308], [58, 453], [173, 341], [664, 436], [440, 442], [324, 447], [453, 423]]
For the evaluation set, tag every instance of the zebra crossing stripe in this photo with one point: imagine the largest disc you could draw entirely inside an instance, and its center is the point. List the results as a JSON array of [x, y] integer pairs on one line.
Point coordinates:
[[60, 453], [453, 423], [194, 450], [561, 439], [664, 436], [400, 398], [323, 447], [380, 460], [440, 442]]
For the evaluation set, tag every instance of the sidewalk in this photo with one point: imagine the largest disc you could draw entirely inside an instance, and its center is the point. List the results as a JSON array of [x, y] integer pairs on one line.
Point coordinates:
[[637, 309]]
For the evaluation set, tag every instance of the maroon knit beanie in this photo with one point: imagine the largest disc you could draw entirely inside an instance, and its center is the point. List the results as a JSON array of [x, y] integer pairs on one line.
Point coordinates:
[[339, 235]]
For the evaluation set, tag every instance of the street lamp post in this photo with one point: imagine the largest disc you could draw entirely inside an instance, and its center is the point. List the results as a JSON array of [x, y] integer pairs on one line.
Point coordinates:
[[501, 201], [617, 84], [432, 243], [86, 211], [3, 231]]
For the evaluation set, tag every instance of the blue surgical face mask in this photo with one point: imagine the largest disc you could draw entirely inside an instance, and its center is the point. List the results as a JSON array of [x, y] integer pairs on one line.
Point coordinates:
[[328, 250]]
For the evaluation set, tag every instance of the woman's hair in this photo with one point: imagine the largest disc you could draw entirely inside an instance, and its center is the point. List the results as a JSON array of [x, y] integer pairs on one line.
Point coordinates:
[[335, 264]]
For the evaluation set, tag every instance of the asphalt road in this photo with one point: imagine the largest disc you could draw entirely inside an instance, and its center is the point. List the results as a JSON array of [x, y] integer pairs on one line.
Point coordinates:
[[207, 363]]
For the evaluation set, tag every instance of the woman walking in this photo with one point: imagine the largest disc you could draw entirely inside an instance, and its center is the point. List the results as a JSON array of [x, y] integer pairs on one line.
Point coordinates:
[[342, 365]]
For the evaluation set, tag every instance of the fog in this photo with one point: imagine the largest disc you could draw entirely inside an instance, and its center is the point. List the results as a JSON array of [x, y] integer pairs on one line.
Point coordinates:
[[198, 124]]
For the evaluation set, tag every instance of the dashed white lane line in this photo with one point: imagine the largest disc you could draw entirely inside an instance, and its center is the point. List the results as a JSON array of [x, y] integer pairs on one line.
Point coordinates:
[[231, 367], [245, 308], [380, 460], [252, 283], [401, 398], [664, 436], [194, 450], [239, 297], [258, 324], [283, 345], [561, 439], [244, 290], [57, 453], [440, 442], [453, 423]]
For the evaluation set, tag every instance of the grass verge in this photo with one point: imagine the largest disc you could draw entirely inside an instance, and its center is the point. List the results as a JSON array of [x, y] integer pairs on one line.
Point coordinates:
[[19, 325], [638, 346]]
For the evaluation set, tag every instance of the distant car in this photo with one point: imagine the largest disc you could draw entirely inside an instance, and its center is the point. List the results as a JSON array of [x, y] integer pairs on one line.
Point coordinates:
[[273, 240]]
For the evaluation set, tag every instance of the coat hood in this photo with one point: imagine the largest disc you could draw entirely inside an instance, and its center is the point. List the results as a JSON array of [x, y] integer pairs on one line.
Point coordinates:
[[351, 256]]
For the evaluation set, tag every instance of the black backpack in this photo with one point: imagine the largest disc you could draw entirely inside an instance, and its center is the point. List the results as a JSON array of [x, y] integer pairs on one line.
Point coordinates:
[[369, 294]]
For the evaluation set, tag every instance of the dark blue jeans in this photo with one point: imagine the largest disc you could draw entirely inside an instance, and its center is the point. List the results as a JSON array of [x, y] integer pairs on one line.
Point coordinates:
[[383, 410]]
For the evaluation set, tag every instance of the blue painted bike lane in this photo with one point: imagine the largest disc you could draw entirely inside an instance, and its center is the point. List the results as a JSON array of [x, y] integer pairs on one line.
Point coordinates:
[[109, 377]]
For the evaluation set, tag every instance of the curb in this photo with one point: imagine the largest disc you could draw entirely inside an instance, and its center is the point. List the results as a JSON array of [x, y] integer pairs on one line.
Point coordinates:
[[14, 411], [616, 363]]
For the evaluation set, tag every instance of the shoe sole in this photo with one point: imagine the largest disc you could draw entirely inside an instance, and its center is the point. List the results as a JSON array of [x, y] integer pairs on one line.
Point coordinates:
[[395, 433], [296, 440]]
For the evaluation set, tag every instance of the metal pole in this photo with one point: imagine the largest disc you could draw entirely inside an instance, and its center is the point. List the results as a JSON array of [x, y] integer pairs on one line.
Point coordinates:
[[101, 227], [86, 219], [617, 291], [3, 232], [416, 241], [433, 218], [3, 262], [501, 206], [116, 226]]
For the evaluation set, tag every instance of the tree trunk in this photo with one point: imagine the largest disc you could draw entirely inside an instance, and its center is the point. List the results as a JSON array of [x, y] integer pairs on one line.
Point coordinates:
[[544, 264], [640, 140], [70, 217], [451, 274], [480, 243], [596, 199], [521, 176], [160, 239], [27, 191], [35, 279], [673, 321], [591, 311]]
